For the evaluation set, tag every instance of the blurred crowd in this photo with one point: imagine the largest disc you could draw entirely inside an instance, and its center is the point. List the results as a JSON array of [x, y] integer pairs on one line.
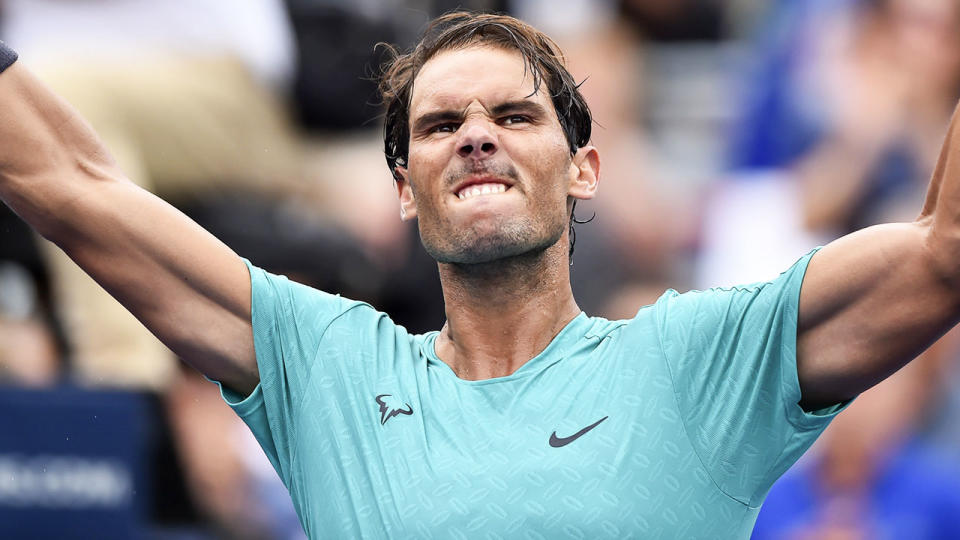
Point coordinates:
[[735, 136]]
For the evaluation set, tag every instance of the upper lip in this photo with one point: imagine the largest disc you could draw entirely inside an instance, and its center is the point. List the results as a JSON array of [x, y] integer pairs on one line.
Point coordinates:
[[481, 179]]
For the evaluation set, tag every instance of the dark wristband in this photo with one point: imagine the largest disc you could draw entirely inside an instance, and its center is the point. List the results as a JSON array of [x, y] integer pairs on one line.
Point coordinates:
[[7, 56]]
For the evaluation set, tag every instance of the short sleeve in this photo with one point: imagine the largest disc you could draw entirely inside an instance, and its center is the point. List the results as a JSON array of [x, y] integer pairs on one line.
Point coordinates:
[[732, 357], [289, 321]]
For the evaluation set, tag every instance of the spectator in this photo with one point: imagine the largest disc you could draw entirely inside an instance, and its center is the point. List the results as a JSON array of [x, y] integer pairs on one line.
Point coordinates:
[[840, 115], [850, 101], [28, 351]]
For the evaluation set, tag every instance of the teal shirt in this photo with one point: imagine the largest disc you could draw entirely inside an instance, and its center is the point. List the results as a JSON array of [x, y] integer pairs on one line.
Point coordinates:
[[376, 437]]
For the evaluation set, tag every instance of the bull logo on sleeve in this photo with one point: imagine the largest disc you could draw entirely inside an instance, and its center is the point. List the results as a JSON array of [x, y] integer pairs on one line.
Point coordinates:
[[391, 406]]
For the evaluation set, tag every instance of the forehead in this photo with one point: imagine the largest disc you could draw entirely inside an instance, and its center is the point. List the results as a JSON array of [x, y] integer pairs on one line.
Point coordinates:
[[455, 78]]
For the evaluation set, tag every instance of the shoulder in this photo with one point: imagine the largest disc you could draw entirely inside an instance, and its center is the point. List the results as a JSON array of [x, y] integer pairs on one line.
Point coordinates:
[[278, 293], [287, 315]]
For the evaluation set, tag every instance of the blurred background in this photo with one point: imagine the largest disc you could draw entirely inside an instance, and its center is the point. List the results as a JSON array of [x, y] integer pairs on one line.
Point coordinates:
[[736, 135]]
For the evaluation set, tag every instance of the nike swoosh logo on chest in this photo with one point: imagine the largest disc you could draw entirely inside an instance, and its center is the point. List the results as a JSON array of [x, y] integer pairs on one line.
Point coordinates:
[[557, 442]]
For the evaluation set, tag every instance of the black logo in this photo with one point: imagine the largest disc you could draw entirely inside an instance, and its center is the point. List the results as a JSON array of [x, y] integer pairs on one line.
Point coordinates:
[[557, 442], [390, 407]]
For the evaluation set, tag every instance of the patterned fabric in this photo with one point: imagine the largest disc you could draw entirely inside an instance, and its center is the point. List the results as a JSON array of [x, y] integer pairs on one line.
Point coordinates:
[[673, 424]]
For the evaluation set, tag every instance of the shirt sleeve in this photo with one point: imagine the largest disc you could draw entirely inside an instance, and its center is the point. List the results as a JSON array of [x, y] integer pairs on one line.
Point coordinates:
[[732, 357], [289, 322]]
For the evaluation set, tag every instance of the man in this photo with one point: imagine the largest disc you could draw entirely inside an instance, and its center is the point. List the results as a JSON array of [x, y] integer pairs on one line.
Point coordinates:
[[522, 416]]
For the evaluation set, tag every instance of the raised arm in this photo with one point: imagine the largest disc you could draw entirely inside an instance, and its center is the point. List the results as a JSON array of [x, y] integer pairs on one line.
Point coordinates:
[[875, 299], [183, 284]]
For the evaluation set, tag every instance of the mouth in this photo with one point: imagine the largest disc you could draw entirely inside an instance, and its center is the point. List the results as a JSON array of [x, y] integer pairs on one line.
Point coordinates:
[[479, 187]]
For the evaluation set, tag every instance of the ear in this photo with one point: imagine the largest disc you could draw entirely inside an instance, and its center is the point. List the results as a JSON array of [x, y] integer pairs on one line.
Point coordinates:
[[408, 203], [584, 173]]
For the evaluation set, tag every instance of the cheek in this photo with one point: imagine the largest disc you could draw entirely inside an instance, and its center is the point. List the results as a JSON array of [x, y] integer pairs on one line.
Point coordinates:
[[424, 156], [550, 169], [425, 176], [429, 159]]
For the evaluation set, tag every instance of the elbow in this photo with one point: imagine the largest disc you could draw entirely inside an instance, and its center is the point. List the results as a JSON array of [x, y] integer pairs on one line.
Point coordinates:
[[941, 249], [60, 198]]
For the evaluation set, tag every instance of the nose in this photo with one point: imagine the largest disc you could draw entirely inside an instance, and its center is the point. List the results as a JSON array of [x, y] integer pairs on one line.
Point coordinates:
[[476, 141]]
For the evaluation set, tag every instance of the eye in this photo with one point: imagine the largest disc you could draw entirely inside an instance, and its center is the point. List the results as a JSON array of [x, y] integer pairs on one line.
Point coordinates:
[[515, 119], [448, 127]]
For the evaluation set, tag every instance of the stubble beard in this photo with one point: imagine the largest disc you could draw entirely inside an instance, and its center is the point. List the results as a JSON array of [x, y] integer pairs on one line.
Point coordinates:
[[466, 247], [488, 242]]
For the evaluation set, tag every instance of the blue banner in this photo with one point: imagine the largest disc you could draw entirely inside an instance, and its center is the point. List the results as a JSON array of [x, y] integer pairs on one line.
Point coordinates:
[[73, 464]]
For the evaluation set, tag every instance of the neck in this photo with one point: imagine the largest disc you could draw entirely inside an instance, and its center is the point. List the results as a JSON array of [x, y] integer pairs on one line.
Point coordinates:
[[503, 313]]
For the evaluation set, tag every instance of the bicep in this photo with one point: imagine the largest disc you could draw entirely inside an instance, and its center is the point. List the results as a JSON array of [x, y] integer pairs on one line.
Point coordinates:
[[870, 302]]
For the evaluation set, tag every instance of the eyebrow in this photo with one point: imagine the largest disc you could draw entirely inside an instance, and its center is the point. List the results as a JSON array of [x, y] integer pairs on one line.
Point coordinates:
[[516, 106], [436, 117], [519, 106]]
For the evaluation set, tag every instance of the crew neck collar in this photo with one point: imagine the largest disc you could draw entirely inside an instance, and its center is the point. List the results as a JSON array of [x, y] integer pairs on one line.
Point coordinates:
[[552, 353]]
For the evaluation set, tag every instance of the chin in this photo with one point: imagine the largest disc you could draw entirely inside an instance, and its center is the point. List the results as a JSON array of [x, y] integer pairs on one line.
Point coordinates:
[[499, 245]]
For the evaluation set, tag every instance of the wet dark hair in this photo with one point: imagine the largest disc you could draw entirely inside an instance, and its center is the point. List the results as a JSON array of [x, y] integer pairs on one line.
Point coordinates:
[[542, 59]]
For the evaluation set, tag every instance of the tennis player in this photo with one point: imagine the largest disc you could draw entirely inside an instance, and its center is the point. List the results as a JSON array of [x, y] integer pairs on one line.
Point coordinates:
[[523, 417]]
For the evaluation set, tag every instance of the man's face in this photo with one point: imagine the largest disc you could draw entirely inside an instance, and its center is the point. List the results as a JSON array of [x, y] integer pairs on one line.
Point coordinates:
[[489, 168]]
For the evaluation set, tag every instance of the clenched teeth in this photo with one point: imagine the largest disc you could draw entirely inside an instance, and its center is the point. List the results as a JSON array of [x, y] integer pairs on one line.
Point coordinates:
[[481, 189]]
